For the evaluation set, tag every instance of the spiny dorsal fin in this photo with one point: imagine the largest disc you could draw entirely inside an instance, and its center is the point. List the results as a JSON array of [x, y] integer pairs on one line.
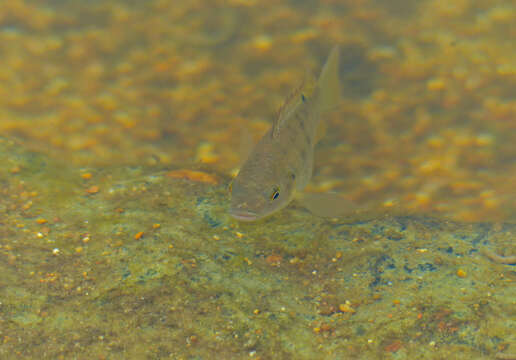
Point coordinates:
[[292, 101]]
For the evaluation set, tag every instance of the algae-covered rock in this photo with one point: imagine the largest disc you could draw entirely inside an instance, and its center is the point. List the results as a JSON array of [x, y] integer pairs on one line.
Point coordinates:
[[152, 266]]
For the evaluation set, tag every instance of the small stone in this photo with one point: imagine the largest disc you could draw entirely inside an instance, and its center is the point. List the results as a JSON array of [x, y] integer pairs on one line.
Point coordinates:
[[461, 273], [346, 308]]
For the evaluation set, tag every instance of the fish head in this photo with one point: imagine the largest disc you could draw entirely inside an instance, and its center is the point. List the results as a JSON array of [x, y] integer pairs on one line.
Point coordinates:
[[259, 191]]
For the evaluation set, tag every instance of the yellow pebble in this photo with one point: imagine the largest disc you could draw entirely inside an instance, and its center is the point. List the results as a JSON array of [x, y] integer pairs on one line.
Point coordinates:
[[191, 175], [93, 189], [205, 154], [484, 140], [435, 84], [435, 142], [346, 308], [461, 273], [304, 35], [15, 170], [262, 43]]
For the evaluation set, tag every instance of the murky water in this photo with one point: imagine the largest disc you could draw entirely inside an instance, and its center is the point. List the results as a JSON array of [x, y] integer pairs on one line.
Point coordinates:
[[122, 123]]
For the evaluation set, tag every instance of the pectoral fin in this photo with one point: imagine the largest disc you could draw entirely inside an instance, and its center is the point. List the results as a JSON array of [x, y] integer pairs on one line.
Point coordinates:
[[334, 205], [327, 204]]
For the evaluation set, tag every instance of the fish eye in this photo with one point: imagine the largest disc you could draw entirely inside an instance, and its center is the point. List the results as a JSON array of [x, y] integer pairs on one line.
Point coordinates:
[[275, 194]]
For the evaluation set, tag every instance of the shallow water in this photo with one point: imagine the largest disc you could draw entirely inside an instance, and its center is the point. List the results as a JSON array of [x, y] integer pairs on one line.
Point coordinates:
[[119, 124]]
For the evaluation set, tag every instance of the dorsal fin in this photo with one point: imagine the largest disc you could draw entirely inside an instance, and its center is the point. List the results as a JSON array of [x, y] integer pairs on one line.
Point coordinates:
[[328, 85], [299, 95]]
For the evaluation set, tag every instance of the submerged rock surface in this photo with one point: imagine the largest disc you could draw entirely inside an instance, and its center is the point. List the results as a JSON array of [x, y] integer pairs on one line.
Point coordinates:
[[130, 263]]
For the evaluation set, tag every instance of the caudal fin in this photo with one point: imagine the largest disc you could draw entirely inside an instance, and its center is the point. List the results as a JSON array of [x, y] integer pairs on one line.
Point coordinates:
[[329, 85]]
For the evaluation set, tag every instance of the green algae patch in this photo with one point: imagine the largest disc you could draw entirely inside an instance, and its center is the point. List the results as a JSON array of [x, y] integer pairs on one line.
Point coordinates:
[[151, 266]]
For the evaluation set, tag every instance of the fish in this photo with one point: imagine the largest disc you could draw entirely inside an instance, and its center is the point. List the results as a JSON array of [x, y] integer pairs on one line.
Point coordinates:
[[281, 163]]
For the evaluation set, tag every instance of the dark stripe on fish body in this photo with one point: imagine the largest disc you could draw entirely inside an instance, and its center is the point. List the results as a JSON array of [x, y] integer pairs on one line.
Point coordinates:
[[299, 116], [302, 125], [296, 168], [301, 138], [290, 137], [308, 138], [286, 145], [303, 154], [292, 171]]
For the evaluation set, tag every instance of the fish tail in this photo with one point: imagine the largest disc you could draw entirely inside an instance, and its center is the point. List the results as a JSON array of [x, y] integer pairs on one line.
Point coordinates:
[[328, 85]]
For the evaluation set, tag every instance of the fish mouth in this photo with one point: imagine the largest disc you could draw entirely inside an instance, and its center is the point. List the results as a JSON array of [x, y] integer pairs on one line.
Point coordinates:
[[244, 215]]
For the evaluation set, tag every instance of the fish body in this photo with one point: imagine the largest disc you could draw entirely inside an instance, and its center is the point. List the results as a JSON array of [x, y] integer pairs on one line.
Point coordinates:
[[282, 161]]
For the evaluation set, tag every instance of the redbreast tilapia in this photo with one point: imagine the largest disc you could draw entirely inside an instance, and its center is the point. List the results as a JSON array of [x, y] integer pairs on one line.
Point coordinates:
[[282, 161]]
